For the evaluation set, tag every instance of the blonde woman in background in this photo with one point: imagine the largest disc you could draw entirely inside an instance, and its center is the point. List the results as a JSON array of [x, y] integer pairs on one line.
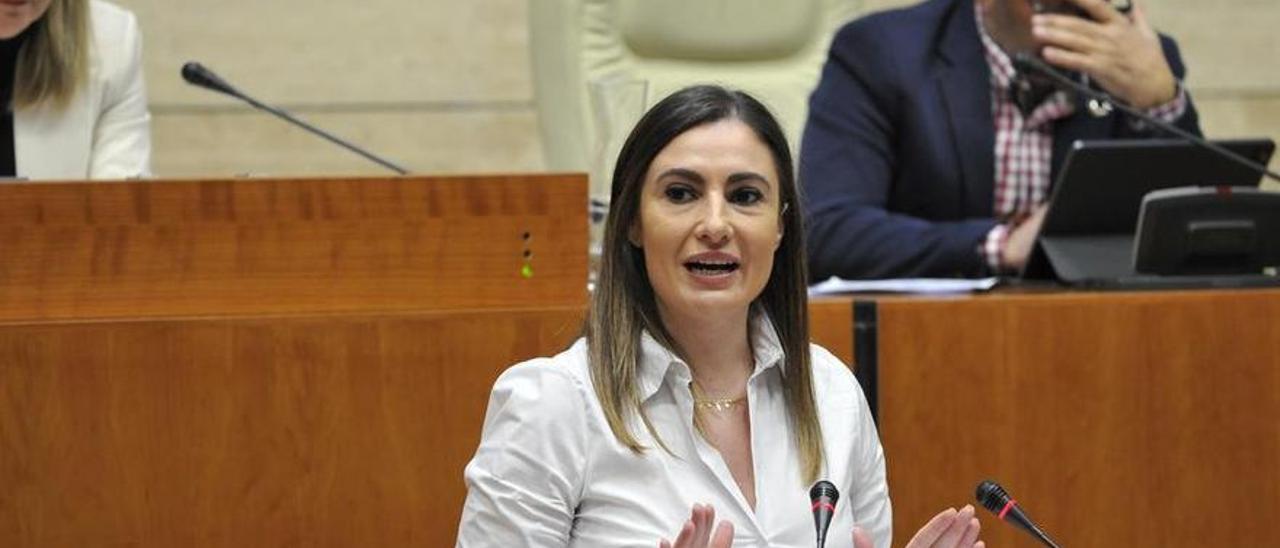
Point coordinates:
[[71, 79]]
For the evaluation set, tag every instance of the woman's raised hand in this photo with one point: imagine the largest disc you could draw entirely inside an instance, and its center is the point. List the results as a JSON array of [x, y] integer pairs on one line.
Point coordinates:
[[697, 532]]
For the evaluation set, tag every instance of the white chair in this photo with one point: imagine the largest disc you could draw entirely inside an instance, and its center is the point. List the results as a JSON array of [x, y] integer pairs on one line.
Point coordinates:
[[773, 49]]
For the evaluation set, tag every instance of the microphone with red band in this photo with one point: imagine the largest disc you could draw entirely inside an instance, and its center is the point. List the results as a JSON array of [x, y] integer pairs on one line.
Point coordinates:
[[994, 498], [824, 496]]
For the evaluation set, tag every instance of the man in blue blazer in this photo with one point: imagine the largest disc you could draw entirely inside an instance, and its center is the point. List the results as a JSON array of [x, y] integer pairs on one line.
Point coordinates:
[[916, 158]]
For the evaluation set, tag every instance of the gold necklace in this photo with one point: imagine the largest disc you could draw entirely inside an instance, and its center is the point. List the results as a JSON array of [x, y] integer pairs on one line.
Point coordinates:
[[713, 404]]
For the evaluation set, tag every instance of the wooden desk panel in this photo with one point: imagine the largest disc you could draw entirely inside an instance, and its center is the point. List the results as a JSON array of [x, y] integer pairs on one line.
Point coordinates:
[[1145, 419], [267, 362], [247, 246], [314, 431]]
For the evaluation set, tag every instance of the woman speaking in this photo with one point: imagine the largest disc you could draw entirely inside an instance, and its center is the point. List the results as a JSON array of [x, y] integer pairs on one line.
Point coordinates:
[[695, 391]]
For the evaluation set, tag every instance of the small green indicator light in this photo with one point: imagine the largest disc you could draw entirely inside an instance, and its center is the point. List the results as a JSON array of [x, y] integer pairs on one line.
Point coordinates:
[[526, 270]]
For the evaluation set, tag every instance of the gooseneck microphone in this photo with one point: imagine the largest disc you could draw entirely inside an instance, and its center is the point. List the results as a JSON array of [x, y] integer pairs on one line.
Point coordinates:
[[824, 496], [994, 498], [1027, 63], [197, 75]]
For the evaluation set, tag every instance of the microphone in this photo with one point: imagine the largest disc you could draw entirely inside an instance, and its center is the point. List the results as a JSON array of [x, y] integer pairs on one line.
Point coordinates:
[[197, 75], [994, 498], [1024, 62], [824, 496]]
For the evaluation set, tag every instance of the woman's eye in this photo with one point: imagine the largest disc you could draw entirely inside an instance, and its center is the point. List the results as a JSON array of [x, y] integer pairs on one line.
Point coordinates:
[[679, 194], [746, 196]]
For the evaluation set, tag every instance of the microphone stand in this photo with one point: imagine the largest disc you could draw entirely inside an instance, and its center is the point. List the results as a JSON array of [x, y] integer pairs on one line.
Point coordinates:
[[1034, 64], [197, 75]]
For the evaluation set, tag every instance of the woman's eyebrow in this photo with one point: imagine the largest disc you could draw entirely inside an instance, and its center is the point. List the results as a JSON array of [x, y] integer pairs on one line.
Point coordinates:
[[749, 176], [683, 173]]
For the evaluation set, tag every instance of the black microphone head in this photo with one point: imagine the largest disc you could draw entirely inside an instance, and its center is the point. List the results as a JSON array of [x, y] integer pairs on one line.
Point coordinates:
[[823, 495], [991, 496], [197, 75], [1026, 63], [994, 498], [822, 489]]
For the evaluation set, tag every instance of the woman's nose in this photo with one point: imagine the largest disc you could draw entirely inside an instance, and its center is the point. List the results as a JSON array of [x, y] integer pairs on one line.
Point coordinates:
[[714, 226]]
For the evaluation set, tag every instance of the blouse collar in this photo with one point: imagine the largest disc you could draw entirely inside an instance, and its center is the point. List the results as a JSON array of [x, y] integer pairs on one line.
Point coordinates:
[[658, 361]]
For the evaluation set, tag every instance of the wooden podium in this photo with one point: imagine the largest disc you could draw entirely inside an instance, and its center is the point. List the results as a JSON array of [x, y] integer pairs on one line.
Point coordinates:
[[1115, 419], [298, 362]]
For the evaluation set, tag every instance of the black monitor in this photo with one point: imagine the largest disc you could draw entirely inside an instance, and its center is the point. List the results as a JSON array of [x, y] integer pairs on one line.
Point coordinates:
[[1093, 207]]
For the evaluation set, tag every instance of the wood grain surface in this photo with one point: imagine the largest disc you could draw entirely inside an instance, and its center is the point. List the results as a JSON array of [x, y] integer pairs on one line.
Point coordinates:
[[338, 431], [166, 248], [1140, 419]]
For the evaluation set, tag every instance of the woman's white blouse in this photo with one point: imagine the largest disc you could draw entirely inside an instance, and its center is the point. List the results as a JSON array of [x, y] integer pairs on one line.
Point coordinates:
[[549, 472]]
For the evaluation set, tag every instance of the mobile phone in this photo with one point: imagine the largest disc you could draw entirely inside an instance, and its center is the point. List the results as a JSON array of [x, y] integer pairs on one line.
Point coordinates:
[[1122, 6], [1067, 7]]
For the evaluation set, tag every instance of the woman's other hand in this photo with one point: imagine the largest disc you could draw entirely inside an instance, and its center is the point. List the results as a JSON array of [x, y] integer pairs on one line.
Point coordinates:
[[948, 529]]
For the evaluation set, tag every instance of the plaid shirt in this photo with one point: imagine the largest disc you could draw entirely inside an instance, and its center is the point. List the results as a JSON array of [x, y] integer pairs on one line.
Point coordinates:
[[1024, 145]]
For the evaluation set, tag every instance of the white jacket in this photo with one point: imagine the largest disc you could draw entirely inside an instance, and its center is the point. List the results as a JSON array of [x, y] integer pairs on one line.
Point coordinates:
[[104, 133]]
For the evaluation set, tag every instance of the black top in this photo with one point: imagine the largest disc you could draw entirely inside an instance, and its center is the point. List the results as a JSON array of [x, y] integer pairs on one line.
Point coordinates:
[[8, 63]]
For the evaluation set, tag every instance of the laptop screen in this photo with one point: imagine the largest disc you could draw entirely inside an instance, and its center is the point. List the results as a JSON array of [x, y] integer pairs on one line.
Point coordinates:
[[1100, 187]]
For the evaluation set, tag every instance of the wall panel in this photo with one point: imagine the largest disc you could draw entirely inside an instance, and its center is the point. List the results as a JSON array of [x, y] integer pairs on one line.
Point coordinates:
[[445, 86]]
